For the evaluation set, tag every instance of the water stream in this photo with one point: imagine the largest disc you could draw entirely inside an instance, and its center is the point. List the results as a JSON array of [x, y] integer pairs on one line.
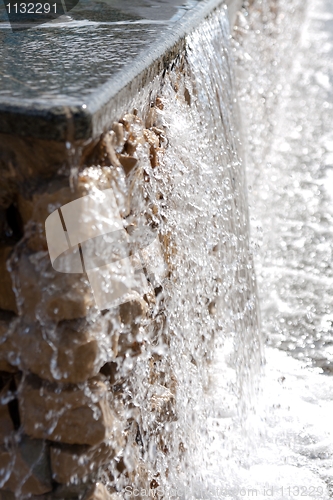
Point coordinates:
[[275, 442], [241, 198], [285, 449], [197, 197]]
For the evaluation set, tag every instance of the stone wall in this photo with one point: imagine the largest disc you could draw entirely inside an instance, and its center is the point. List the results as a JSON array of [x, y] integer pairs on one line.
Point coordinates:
[[62, 400]]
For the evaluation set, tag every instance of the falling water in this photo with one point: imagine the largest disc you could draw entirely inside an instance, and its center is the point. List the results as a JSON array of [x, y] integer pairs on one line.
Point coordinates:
[[201, 419], [283, 60], [209, 300], [238, 444]]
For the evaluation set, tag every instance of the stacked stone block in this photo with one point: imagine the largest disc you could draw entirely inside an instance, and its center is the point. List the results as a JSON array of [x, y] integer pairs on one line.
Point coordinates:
[[61, 418]]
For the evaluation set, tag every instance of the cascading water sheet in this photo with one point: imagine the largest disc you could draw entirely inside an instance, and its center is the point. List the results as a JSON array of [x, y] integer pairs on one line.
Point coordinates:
[[285, 449], [209, 297]]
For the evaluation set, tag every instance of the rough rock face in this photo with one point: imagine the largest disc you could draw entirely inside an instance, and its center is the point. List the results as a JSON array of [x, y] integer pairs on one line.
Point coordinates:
[[72, 415], [79, 462], [27, 467]]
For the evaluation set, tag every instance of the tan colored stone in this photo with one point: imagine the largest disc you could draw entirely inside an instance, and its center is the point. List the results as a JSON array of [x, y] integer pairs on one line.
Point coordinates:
[[129, 120], [108, 174], [76, 463], [35, 207], [45, 293], [159, 103], [151, 118], [7, 295], [45, 200], [27, 466], [133, 312], [98, 492], [70, 414], [154, 143], [130, 147], [128, 345], [71, 352], [108, 151], [152, 138], [162, 403], [128, 163], [119, 139]]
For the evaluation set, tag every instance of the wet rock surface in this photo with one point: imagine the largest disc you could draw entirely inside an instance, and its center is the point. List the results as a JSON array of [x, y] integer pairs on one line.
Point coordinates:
[[70, 415], [25, 468], [54, 342]]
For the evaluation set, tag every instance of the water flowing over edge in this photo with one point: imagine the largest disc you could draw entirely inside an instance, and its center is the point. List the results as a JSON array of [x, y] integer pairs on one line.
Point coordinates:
[[196, 424]]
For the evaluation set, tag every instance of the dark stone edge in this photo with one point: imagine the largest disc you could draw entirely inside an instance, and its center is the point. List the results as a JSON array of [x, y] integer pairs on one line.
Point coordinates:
[[73, 122]]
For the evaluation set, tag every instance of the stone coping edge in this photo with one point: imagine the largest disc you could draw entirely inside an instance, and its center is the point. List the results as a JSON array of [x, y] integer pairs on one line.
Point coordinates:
[[72, 122]]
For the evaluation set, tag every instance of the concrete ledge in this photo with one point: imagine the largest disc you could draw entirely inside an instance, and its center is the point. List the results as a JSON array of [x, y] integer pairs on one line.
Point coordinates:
[[87, 116]]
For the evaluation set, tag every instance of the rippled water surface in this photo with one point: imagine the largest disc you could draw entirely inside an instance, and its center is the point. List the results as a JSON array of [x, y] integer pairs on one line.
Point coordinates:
[[66, 60]]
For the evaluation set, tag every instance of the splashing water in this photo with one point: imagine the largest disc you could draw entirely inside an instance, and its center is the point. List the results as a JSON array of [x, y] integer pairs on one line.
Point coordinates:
[[285, 449], [282, 448], [197, 424], [209, 300]]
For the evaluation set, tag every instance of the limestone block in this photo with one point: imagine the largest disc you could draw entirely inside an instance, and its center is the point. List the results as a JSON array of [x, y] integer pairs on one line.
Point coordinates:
[[133, 312], [71, 463], [70, 414], [132, 315], [7, 295], [48, 294], [98, 492], [35, 207], [25, 468], [72, 351]]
